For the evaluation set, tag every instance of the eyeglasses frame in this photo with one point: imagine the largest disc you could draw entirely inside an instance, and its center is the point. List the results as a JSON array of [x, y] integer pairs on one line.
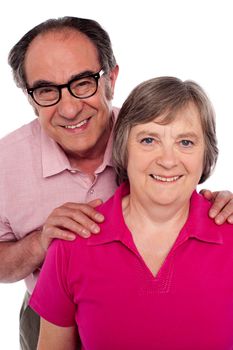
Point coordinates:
[[96, 76]]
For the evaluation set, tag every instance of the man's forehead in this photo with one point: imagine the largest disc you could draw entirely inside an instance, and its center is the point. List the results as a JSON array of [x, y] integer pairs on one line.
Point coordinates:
[[61, 34], [57, 56]]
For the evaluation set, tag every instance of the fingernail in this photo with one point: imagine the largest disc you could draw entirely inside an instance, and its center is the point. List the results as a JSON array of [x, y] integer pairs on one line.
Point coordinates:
[[213, 213], [95, 229], [99, 217], [219, 219], [86, 233]]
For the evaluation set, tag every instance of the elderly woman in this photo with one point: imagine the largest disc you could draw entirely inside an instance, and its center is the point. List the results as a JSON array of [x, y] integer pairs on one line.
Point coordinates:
[[157, 277]]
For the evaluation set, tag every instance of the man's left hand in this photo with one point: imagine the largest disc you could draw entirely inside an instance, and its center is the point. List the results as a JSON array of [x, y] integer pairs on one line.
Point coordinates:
[[222, 208]]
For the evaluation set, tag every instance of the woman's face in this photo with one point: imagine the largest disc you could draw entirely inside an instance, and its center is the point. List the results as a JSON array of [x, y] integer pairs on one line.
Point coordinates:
[[165, 162]]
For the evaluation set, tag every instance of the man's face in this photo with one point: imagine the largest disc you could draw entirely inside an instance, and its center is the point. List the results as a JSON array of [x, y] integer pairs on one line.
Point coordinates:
[[80, 126]]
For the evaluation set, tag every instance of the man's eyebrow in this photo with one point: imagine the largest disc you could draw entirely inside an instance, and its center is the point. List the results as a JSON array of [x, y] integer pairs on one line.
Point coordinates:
[[42, 83], [82, 75]]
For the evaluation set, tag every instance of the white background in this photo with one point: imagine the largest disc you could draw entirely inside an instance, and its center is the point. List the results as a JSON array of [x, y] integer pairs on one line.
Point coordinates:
[[187, 39]]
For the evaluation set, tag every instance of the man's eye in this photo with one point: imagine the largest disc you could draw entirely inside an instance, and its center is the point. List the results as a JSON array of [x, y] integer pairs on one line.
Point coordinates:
[[147, 140], [186, 143], [81, 83], [46, 91]]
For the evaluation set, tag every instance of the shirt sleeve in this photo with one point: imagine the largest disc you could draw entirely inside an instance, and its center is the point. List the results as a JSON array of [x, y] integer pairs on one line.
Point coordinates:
[[51, 298], [6, 234]]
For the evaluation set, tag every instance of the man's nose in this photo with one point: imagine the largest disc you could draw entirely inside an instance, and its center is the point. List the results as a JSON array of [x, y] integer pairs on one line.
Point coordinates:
[[69, 106]]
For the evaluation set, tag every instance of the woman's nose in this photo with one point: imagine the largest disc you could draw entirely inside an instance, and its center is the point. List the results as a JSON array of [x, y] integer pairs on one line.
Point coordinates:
[[167, 157]]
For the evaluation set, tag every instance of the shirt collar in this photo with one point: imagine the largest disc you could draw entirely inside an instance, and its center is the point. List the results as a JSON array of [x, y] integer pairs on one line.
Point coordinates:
[[54, 159], [114, 227], [107, 161], [198, 225]]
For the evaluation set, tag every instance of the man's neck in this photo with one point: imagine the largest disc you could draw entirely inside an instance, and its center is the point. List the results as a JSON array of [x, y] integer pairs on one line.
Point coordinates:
[[90, 160]]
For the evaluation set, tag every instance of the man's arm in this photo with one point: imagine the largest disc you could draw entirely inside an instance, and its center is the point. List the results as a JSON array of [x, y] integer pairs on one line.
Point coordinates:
[[55, 337], [20, 258]]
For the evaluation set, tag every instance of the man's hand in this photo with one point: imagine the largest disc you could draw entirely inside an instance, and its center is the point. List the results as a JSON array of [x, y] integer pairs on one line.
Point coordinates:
[[70, 219], [222, 208]]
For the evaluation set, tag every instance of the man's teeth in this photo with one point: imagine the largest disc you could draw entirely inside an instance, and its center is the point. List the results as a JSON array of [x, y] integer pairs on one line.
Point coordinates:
[[77, 125], [165, 179]]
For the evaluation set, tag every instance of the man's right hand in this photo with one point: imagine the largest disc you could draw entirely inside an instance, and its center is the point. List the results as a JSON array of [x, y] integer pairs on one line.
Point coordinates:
[[22, 257], [70, 219]]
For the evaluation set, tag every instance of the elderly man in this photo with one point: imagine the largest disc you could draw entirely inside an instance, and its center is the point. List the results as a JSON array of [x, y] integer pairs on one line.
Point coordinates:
[[68, 69]]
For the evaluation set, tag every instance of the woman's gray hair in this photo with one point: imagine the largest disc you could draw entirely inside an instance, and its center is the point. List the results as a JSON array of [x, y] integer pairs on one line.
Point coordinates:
[[163, 96], [92, 29]]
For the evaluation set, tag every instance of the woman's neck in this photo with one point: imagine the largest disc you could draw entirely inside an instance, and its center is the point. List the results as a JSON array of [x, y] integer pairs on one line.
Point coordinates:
[[154, 229], [153, 214]]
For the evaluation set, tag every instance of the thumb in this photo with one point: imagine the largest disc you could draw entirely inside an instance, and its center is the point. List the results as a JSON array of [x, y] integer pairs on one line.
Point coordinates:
[[95, 202], [207, 194]]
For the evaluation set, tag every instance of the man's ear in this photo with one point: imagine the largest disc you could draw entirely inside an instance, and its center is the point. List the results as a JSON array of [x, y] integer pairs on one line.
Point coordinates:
[[113, 77], [32, 103]]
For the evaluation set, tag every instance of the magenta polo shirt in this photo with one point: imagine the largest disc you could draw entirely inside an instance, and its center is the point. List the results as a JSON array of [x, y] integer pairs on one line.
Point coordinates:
[[103, 285], [36, 177]]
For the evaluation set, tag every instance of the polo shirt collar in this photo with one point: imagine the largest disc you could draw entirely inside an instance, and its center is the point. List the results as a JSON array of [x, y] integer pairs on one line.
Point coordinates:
[[55, 161], [114, 227], [107, 161], [198, 225]]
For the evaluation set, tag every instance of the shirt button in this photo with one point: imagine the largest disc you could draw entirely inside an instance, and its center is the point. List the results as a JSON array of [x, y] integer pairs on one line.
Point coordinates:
[[92, 191], [73, 171]]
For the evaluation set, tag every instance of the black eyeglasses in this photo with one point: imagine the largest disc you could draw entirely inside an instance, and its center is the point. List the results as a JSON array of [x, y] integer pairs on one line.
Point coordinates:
[[83, 87]]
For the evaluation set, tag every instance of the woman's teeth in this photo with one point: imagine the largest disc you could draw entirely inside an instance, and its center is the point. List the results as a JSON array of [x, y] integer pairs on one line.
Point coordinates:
[[165, 179]]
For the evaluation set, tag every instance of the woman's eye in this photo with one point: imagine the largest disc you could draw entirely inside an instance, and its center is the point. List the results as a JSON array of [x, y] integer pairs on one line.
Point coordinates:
[[186, 143], [147, 140]]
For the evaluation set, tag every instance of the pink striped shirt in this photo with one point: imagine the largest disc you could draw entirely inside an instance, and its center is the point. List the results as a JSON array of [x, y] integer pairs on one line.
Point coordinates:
[[36, 177]]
